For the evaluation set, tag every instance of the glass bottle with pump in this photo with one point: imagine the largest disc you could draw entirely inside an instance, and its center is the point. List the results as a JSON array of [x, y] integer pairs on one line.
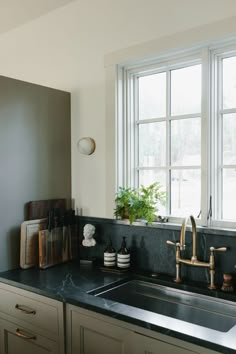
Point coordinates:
[[123, 256]]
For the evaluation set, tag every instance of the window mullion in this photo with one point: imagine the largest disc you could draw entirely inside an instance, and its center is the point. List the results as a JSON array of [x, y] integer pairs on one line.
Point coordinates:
[[127, 130], [135, 143], [131, 132], [228, 111], [168, 141], [205, 137], [126, 117], [219, 139], [216, 145], [213, 141]]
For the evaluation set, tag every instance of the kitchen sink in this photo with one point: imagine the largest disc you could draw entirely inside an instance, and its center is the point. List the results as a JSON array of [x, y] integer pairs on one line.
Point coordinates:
[[190, 307]]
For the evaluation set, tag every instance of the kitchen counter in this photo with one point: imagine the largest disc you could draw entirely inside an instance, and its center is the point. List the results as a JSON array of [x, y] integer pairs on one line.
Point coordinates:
[[72, 282]]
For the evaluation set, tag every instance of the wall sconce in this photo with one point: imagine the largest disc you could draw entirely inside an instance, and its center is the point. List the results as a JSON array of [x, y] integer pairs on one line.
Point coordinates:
[[86, 146]]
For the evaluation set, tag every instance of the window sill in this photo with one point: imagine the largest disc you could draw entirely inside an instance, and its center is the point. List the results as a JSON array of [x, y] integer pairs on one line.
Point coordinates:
[[160, 225]]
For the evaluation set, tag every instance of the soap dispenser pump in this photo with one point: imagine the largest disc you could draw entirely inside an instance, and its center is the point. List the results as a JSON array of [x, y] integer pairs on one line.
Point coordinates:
[[109, 255], [123, 256]]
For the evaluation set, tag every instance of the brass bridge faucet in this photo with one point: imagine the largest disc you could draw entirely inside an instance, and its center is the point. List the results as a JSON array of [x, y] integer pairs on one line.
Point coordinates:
[[180, 246]]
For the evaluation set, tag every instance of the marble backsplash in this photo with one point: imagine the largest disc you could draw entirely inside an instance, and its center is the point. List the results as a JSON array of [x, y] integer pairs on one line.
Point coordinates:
[[150, 253]]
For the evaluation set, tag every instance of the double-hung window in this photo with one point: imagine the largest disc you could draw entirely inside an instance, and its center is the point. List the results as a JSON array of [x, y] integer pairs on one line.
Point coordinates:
[[179, 128], [224, 138]]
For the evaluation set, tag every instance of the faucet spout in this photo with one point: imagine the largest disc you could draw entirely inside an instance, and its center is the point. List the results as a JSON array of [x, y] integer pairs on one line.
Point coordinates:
[[194, 237], [182, 234]]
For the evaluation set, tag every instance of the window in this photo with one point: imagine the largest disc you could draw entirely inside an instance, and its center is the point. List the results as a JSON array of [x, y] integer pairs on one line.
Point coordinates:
[[168, 125], [225, 136], [179, 128]]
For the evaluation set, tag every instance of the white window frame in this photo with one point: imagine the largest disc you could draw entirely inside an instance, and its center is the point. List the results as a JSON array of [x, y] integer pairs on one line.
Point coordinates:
[[217, 54], [126, 140]]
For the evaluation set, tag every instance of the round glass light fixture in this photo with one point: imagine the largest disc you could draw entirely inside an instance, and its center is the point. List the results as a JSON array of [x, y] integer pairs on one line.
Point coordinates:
[[86, 145]]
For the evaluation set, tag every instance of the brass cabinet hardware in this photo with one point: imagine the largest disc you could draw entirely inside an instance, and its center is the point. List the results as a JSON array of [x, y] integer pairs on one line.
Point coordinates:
[[27, 312], [193, 261], [19, 333]]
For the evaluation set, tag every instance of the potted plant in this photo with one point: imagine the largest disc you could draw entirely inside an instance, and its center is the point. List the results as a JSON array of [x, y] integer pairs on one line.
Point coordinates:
[[139, 203]]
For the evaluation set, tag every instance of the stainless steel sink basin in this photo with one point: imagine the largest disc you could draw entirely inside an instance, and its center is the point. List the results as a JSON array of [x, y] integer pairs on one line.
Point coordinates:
[[197, 309]]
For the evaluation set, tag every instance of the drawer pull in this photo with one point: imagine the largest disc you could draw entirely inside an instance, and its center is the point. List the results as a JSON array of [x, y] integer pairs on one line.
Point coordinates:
[[31, 312], [22, 335]]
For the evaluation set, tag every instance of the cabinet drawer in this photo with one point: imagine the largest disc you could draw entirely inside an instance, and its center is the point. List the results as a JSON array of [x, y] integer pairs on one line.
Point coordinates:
[[18, 340], [30, 308]]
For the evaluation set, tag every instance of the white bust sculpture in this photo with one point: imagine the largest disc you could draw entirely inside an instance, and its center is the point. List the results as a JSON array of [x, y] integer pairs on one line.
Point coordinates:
[[89, 231]]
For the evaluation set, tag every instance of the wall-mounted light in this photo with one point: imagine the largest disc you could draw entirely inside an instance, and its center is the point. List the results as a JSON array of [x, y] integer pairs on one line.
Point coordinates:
[[86, 146]]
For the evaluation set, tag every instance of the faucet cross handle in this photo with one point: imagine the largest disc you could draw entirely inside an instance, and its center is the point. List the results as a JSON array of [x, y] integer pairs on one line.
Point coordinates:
[[176, 244], [178, 247], [221, 249], [212, 264], [171, 243], [212, 258]]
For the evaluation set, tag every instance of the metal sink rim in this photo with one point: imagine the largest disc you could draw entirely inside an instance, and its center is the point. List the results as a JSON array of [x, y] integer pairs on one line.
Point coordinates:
[[206, 299]]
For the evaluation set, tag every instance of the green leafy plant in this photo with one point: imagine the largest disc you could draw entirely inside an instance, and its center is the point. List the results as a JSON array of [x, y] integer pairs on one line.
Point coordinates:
[[139, 203]]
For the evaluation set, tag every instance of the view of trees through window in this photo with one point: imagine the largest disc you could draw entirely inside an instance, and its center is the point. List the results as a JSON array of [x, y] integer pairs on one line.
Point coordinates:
[[169, 136], [228, 116]]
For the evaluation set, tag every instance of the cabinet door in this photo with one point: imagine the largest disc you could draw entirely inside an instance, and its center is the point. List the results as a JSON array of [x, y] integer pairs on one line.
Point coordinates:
[[16, 340], [93, 336], [146, 345]]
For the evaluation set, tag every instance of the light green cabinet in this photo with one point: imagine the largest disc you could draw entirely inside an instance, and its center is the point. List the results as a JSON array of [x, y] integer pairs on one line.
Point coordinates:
[[146, 345], [30, 323], [92, 333], [17, 340]]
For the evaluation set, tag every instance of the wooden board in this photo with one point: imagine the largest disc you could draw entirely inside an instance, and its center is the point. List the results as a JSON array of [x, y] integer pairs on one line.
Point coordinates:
[[29, 254], [39, 209]]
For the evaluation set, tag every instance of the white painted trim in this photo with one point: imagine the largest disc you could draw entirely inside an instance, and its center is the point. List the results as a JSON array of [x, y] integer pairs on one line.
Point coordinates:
[[163, 119], [207, 35], [119, 127], [223, 224], [229, 166], [112, 128], [220, 138], [136, 137], [227, 111], [205, 137], [169, 167], [159, 64], [168, 143], [213, 140]]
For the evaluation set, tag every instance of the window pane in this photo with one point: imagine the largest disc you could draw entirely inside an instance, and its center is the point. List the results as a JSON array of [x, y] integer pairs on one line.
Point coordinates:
[[229, 139], [152, 144], [152, 96], [229, 83], [229, 194], [186, 142], [186, 90], [185, 192], [147, 177]]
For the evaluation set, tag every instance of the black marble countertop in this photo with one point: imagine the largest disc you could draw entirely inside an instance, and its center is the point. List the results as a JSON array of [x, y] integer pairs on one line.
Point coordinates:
[[72, 282]]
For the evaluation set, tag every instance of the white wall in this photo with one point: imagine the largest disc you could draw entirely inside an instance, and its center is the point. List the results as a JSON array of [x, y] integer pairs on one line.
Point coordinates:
[[65, 49]]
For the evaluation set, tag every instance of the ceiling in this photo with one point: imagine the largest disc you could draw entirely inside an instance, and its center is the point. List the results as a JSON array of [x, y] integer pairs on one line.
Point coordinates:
[[14, 13]]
